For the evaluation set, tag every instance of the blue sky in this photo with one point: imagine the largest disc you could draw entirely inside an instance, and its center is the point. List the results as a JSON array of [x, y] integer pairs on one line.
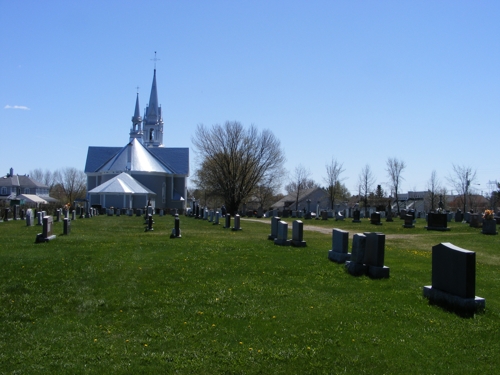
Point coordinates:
[[359, 81]]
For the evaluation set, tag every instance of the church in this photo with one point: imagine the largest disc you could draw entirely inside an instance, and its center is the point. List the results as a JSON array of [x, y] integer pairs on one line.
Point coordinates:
[[143, 171]]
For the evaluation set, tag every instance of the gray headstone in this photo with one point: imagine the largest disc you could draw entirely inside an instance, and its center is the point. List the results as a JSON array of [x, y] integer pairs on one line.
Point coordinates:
[[282, 234], [274, 228], [454, 278], [298, 234], [340, 245], [236, 222], [66, 226]]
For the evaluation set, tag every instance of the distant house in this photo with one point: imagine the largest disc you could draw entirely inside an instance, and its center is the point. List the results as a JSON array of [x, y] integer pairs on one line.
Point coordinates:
[[316, 196], [162, 171], [23, 188]]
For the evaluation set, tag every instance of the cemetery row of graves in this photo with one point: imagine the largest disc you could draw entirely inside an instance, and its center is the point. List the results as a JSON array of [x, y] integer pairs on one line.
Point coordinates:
[[453, 268]]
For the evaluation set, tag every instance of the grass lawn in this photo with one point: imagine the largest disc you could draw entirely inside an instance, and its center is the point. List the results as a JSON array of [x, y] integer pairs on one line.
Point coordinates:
[[111, 298]]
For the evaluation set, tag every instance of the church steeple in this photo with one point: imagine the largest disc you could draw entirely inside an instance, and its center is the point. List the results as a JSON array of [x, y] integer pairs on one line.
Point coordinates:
[[136, 131], [153, 121]]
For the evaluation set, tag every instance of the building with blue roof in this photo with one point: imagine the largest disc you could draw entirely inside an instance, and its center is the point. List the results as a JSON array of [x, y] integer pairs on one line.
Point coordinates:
[[162, 171]]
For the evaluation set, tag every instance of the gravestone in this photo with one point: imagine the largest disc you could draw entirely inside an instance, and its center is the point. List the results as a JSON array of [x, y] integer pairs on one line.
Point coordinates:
[[138, 212], [408, 222], [66, 226], [73, 215], [176, 232], [368, 250], [356, 266], [281, 239], [340, 244], [217, 218], [454, 279], [298, 234], [118, 212], [356, 216], [162, 213], [459, 216], [489, 227], [374, 255], [149, 223], [227, 223], [437, 221], [274, 228], [324, 215], [260, 212], [236, 223], [110, 211], [46, 235], [205, 214], [375, 218], [58, 215], [211, 216], [6, 213], [29, 217], [475, 221], [300, 214], [39, 218]]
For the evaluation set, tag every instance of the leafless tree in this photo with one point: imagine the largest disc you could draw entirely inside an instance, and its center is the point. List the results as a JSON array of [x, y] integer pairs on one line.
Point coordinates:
[[395, 168], [299, 182], [45, 177], [365, 184], [70, 184], [333, 180], [433, 188], [234, 160], [266, 192], [461, 179]]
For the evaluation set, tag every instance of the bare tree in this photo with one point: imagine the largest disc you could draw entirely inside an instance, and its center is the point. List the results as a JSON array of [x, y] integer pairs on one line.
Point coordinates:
[[71, 184], [394, 168], [234, 160], [45, 177], [365, 183], [433, 187], [333, 180], [266, 192], [299, 182], [461, 179]]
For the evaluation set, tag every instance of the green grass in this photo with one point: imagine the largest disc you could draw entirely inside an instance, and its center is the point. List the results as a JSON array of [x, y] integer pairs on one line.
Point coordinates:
[[111, 298]]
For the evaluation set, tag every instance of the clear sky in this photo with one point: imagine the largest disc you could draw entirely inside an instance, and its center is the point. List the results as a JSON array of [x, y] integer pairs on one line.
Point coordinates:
[[359, 81]]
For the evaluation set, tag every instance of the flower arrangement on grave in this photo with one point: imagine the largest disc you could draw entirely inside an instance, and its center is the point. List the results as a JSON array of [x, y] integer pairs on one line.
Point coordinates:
[[488, 215]]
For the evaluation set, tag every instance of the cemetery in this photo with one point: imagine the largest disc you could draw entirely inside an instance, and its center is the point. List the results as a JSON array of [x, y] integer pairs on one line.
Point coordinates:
[[115, 292]]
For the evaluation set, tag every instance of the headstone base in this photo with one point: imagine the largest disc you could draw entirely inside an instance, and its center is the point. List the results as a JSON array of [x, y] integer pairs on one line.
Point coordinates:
[[235, 229], [439, 297], [40, 238], [298, 243], [356, 221], [281, 242], [441, 229], [378, 272], [356, 269], [271, 237], [337, 257], [173, 234], [376, 223], [408, 225]]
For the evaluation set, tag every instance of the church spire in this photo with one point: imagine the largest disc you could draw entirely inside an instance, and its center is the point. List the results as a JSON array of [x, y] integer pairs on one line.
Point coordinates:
[[153, 121], [136, 131]]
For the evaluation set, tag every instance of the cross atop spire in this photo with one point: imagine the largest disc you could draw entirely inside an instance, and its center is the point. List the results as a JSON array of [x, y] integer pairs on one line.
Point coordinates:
[[155, 60]]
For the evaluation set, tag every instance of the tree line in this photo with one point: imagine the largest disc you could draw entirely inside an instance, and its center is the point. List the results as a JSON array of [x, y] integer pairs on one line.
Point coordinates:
[[238, 164], [66, 184]]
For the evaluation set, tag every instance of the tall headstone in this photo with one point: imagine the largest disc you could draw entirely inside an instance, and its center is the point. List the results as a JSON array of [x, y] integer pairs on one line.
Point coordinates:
[[340, 245], [282, 238], [39, 218], [176, 232], [236, 223], [227, 223], [356, 216], [66, 226], [217, 218], [437, 221], [374, 255], [58, 215], [356, 265], [29, 217], [73, 215], [454, 279], [274, 228], [298, 234]]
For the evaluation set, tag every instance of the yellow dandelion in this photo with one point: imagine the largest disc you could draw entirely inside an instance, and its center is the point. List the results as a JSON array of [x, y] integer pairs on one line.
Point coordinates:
[[241, 343], [145, 344], [308, 348], [250, 349], [274, 317], [126, 340], [213, 325], [95, 340]]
